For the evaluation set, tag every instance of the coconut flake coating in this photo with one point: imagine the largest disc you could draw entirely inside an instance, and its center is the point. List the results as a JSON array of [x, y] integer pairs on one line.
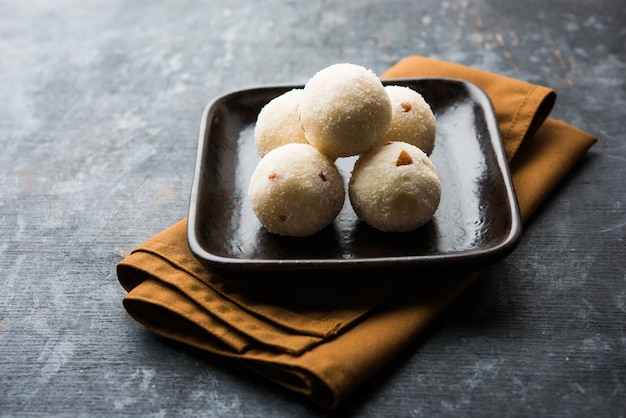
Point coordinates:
[[394, 187], [296, 191], [412, 119], [345, 110], [277, 123]]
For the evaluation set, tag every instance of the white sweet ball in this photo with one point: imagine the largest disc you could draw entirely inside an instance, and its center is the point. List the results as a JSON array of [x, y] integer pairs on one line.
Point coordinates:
[[394, 187], [296, 191], [412, 119], [345, 110], [277, 123]]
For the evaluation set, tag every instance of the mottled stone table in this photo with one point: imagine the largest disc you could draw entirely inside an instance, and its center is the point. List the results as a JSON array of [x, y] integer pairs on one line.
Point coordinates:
[[99, 115]]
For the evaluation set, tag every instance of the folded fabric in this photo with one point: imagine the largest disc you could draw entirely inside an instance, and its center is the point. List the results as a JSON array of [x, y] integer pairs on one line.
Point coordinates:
[[325, 338]]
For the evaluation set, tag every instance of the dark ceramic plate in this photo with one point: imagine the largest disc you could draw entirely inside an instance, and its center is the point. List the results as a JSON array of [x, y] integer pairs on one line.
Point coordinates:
[[476, 224]]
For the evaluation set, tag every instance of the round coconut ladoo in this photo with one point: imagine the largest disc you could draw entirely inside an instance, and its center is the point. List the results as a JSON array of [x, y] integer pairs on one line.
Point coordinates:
[[394, 187], [412, 119], [277, 123], [345, 110], [296, 191]]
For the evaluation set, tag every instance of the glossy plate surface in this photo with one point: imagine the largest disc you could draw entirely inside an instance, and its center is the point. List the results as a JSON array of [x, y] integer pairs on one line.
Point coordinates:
[[476, 224]]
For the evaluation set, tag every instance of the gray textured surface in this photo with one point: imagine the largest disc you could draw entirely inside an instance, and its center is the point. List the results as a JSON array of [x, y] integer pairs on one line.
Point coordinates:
[[99, 112]]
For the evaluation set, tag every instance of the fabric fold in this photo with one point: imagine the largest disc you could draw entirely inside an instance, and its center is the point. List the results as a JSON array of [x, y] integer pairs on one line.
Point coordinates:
[[323, 339]]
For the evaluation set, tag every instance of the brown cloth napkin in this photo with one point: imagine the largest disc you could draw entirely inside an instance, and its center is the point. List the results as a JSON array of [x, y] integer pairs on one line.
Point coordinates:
[[321, 338]]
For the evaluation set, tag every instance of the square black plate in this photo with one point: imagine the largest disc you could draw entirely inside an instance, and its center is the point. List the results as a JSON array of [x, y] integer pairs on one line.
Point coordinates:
[[476, 224]]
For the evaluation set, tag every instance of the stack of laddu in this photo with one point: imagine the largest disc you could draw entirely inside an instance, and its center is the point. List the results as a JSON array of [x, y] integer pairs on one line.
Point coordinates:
[[344, 110]]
